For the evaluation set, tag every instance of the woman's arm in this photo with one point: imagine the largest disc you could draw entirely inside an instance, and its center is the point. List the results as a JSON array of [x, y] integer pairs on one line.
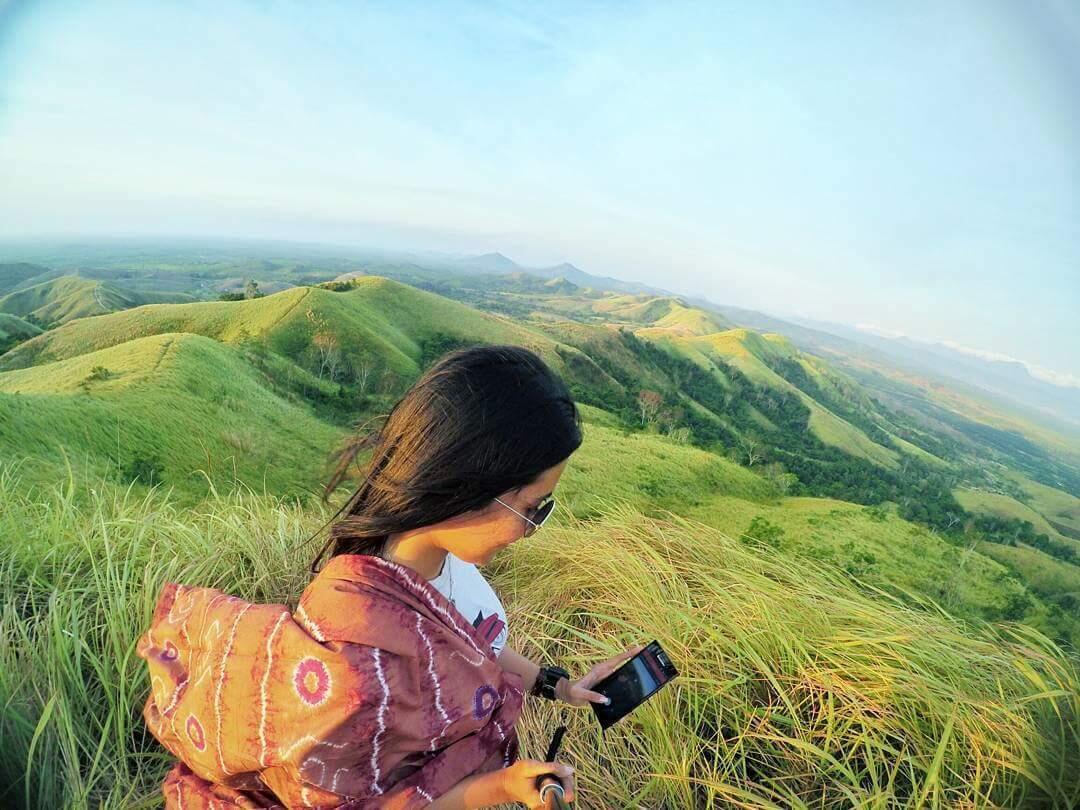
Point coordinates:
[[513, 661], [479, 790], [515, 784], [576, 693]]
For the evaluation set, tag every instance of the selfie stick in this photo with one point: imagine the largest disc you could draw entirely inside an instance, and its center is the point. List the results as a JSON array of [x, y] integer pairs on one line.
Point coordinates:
[[552, 795], [551, 789]]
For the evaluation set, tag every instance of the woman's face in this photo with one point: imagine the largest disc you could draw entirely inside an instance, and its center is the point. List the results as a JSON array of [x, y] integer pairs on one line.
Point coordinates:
[[475, 536]]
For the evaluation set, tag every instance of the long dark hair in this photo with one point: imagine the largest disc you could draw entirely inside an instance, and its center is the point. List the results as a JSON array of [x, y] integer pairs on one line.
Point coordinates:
[[480, 421]]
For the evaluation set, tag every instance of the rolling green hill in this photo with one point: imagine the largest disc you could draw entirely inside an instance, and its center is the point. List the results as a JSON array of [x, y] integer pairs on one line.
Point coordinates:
[[14, 329], [174, 408], [377, 318], [66, 298], [755, 355], [1046, 568], [13, 274], [997, 503], [1061, 509]]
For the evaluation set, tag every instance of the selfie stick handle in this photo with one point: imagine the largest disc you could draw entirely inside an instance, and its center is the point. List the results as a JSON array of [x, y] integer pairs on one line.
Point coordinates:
[[551, 789], [551, 792]]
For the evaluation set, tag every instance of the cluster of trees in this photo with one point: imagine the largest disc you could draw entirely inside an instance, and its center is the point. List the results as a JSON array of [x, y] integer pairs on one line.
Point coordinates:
[[1011, 447], [8, 343], [1013, 532], [435, 345], [792, 370], [789, 452], [344, 382], [251, 290]]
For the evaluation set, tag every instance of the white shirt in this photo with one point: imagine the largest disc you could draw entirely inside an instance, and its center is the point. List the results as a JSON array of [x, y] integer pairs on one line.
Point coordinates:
[[463, 584]]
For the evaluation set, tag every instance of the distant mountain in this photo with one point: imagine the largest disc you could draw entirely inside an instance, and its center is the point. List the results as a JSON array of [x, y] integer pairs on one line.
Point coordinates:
[[490, 263], [583, 279], [561, 285], [1003, 378], [497, 263]]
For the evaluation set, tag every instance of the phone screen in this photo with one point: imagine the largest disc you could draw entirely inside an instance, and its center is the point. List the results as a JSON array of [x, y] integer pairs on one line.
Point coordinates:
[[633, 683]]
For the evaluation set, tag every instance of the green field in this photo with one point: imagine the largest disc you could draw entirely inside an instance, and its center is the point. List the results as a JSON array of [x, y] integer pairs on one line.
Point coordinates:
[[797, 687]]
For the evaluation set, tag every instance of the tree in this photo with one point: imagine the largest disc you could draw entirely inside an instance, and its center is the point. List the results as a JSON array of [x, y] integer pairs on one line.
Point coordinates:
[[363, 367], [783, 481], [680, 434], [251, 289], [649, 403], [762, 532], [329, 351], [751, 449], [670, 418], [388, 382]]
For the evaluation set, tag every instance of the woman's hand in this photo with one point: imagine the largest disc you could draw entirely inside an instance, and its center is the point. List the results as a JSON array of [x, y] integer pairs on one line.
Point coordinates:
[[519, 781], [578, 693]]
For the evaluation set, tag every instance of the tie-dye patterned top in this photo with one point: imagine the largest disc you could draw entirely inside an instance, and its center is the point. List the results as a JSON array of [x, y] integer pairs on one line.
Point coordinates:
[[376, 692], [463, 584]]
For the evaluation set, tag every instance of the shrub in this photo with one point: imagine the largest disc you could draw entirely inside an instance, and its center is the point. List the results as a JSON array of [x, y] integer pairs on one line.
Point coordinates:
[[762, 532]]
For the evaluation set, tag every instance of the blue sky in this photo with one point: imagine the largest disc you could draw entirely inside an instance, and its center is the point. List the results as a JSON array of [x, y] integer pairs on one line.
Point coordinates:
[[912, 166]]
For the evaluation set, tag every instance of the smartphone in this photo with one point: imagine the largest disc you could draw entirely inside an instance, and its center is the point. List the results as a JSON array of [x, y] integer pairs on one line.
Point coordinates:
[[637, 680]]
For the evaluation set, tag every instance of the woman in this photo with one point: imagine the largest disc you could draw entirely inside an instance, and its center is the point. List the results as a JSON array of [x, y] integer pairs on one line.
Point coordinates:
[[391, 685]]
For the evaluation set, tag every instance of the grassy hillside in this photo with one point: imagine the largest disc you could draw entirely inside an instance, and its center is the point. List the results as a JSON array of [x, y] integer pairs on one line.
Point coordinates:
[[14, 329], [797, 688], [1061, 509], [750, 353], [967, 423], [376, 318], [1045, 559], [1045, 575], [62, 299], [875, 547], [12, 274], [998, 503], [177, 408]]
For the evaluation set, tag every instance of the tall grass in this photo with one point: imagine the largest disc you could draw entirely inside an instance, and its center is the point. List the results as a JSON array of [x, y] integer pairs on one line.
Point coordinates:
[[797, 689], [79, 574]]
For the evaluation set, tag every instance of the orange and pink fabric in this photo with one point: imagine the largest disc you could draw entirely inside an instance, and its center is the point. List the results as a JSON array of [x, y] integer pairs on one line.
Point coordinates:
[[374, 693]]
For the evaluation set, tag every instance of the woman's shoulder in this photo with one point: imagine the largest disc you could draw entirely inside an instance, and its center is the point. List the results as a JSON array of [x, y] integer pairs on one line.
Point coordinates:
[[471, 577], [363, 600]]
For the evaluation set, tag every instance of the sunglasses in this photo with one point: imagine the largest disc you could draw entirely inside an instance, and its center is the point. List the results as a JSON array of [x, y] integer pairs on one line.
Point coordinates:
[[536, 517]]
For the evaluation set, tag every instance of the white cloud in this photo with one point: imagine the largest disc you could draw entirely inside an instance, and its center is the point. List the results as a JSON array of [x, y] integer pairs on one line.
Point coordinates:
[[880, 330], [1059, 378], [1055, 377]]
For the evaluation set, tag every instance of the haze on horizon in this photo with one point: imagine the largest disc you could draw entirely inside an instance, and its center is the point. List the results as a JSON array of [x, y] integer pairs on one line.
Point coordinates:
[[915, 168]]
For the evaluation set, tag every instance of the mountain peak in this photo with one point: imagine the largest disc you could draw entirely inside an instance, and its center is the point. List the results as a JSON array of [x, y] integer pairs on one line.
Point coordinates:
[[564, 268], [492, 262]]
